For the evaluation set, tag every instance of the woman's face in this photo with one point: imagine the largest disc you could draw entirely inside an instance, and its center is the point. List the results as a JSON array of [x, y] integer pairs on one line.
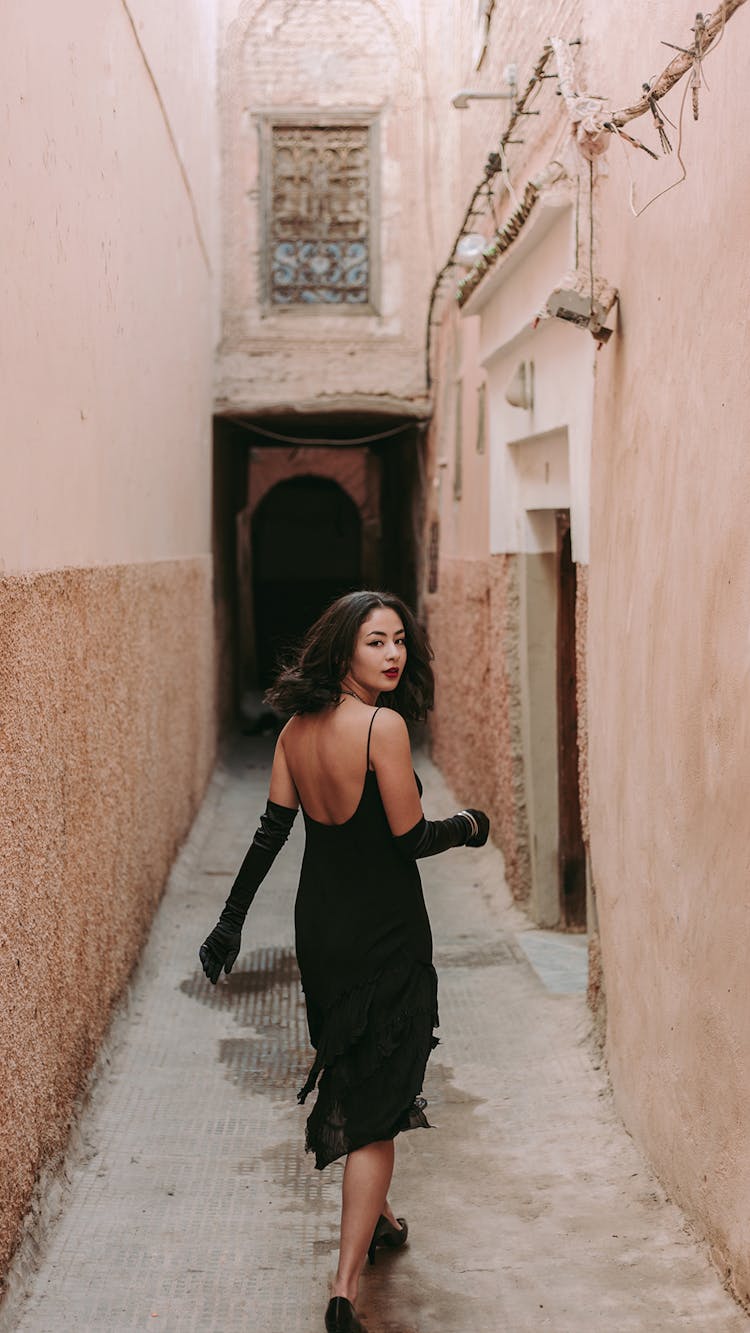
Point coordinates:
[[379, 652]]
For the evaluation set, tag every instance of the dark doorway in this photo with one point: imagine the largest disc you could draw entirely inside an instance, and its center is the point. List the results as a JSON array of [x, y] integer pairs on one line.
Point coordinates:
[[230, 468], [572, 852], [322, 537], [306, 551]]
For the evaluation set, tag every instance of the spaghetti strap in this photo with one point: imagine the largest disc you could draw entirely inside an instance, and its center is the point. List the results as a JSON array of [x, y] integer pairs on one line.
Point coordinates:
[[369, 734]]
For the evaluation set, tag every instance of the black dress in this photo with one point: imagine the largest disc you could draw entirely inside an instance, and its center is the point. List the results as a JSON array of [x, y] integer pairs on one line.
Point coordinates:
[[364, 949]]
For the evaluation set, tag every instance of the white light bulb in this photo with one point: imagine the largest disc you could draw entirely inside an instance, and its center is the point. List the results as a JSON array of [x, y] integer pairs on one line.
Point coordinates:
[[469, 248]]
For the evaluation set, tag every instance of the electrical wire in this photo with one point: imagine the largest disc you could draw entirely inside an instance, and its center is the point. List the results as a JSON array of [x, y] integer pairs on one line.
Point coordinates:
[[714, 23], [638, 212], [326, 440], [519, 108]]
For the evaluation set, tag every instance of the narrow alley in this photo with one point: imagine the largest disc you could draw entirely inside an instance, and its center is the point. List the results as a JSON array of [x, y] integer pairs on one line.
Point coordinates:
[[441, 307], [191, 1205]]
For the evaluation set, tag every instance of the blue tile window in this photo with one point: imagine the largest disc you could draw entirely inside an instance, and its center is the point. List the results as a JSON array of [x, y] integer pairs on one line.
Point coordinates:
[[320, 215]]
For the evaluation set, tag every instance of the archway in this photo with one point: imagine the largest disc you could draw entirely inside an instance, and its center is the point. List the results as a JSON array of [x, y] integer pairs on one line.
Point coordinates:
[[372, 459], [306, 550]]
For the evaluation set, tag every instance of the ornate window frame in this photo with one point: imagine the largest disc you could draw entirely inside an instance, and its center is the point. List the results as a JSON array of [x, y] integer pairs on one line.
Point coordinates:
[[267, 122]]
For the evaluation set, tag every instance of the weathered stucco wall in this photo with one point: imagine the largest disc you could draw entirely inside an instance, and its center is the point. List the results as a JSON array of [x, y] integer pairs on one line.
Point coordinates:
[[106, 735], [476, 618], [582, 625], [669, 654], [106, 662], [473, 622], [662, 616], [106, 335], [458, 142], [312, 61]]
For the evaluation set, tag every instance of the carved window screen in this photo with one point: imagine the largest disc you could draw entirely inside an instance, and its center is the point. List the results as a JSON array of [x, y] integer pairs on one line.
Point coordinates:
[[319, 223]]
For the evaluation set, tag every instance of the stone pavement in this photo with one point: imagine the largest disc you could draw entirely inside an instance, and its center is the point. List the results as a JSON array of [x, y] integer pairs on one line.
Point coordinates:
[[192, 1206]]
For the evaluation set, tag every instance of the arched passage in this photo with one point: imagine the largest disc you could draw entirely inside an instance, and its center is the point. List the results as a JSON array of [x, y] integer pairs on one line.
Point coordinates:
[[372, 460], [306, 550]]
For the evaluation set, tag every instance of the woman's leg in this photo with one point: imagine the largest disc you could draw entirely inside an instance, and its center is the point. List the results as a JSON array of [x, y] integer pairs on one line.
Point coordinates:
[[367, 1175], [390, 1216]]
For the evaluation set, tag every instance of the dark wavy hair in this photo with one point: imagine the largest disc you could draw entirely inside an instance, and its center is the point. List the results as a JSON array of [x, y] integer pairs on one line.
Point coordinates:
[[311, 680]]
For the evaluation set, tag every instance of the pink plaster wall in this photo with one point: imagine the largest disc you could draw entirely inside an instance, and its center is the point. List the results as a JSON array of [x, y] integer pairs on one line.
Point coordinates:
[[468, 522], [317, 60], [668, 645], [107, 258], [664, 684], [106, 739], [475, 728], [474, 616], [457, 143], [582, 616], [107, 196]]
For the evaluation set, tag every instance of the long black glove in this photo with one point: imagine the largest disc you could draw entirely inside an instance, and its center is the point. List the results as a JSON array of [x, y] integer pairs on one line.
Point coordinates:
[[222, 946], [469, 828]]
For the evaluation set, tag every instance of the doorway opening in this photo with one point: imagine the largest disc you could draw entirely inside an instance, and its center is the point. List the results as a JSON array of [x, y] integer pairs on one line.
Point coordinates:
[[571, 848], [305, 507], [306, 551], [550, 724]]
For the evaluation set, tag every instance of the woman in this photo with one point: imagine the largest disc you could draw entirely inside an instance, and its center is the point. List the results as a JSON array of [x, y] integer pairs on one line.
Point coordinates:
[[363, 938]]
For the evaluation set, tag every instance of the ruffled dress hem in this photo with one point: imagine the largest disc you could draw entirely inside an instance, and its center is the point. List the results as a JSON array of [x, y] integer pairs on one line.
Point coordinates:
[[373, 1045]]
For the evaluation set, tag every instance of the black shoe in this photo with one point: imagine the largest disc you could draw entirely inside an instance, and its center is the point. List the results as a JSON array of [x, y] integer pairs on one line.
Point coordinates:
[[386, 1234], [341, 1317]]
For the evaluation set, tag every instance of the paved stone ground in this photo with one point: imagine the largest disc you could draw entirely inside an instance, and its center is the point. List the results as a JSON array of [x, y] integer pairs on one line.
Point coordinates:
[[193, 1207]]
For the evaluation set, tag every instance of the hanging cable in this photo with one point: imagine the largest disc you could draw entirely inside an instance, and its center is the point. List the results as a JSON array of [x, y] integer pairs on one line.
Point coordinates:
[[492, 169], [591, 123], [327, 440]]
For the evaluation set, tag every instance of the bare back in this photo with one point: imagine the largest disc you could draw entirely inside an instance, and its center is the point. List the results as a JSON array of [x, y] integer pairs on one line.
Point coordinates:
[[327, 757], [322, 761]]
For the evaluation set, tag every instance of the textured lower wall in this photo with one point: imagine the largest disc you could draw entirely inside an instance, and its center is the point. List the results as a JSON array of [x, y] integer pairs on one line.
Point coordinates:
[[595, 991], [476, 725], [582, 617], [107, 739]]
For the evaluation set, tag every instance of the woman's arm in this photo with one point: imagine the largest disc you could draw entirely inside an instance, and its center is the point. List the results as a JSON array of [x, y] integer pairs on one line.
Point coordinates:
[[390, 752], [416, 836], [220, 949], [282, 789]]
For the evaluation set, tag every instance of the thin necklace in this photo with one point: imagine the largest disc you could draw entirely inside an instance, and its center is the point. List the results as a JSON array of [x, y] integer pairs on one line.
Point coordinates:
[[354, 696]]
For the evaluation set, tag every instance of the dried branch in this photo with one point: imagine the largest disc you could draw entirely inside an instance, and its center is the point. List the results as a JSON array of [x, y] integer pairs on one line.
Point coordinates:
[[705, 33], [679, 66]]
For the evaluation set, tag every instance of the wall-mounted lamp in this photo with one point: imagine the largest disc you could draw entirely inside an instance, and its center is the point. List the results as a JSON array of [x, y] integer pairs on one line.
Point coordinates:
[[520, 391], [469, 248], [510, 74]]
